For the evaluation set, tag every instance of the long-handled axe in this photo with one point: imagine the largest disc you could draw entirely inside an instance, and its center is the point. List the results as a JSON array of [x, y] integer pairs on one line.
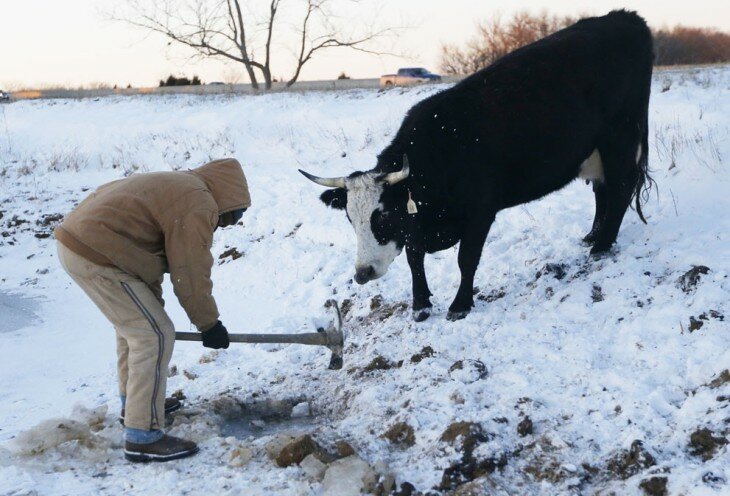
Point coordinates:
[[332, 337]]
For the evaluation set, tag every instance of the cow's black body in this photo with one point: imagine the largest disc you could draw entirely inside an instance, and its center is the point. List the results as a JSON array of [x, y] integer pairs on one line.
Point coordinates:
[[516, 131]]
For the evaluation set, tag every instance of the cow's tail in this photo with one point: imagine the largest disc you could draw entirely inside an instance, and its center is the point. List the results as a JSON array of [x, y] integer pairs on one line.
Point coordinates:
[[644, 182]]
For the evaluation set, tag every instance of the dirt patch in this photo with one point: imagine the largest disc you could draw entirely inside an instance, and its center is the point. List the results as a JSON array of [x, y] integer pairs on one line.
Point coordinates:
[[694, 324], [525, 427], [381, 311], [49, 220], [468, 469], [545, 462], [689, 280], [401, 434], [703, 444], [558, 271], [720, 380], [697, 323], [208, 357], [346, 306], [426, 352], [493, 295], [655, 486], [16, 221], [597, 294], [543, 470], [376, 302], [457, 429], [631, 462], [231, 253], [379, 363], [467, 434]]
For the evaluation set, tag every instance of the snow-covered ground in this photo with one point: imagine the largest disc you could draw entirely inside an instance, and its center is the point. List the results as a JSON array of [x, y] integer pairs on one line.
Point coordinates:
[[597, 353]]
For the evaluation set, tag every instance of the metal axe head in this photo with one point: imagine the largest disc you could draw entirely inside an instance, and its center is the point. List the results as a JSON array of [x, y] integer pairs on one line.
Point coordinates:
[[335, 336]]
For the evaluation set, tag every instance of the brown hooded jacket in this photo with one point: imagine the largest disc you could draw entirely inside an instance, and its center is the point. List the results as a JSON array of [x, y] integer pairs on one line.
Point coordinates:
[[149, 224]]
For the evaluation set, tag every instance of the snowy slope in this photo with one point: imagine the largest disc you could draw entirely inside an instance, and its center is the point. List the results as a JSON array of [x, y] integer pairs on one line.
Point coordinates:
[[597, 357]]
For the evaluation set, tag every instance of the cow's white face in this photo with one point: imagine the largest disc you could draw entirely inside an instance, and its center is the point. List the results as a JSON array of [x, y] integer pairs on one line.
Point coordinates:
[[379, 229], [363, 206]]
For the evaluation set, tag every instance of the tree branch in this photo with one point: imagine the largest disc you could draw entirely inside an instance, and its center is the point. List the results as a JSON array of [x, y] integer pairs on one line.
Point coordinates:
[[223, 29]]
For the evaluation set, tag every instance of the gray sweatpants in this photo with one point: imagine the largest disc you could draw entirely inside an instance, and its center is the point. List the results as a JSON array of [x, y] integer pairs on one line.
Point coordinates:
[[145, 335]]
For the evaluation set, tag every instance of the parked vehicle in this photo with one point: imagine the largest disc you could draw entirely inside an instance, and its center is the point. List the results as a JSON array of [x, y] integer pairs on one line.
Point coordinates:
[[4, 97], [407, 76]]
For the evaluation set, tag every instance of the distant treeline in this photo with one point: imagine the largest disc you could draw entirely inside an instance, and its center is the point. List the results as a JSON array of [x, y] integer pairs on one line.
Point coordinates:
[[181, 81], [683, 45], [497, 37]]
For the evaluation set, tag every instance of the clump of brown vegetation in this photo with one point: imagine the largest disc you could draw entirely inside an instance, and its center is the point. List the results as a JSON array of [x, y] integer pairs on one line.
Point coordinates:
[[632, 461], [401, 434], [704, 444]]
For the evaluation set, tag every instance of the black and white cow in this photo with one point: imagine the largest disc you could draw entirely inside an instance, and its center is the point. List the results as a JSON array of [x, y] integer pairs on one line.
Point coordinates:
[[572, 105]]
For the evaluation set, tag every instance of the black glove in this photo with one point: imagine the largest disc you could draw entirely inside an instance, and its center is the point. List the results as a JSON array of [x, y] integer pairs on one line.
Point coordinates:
[[216, 337]]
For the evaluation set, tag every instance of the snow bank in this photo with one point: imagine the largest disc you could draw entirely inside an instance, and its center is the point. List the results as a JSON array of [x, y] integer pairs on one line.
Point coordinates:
[[613, 352]]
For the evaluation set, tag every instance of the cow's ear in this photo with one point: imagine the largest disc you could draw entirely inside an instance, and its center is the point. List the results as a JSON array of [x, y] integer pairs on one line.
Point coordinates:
[[335, 198]]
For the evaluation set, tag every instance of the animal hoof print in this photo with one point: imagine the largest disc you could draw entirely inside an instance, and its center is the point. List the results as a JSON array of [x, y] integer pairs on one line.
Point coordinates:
[[421, 315], [453, 316]]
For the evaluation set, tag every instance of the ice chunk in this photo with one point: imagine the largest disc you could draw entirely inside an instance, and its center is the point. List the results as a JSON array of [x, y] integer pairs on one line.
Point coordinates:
[[313, 467], [349, 476]]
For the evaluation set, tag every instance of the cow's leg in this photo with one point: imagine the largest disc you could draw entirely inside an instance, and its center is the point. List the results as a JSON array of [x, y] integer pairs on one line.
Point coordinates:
[[470, 251], [421, 294], [621, 172], [599, 190]]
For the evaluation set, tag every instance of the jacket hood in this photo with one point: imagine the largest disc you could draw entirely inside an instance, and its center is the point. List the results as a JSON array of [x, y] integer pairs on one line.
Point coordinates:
[[226, 181]]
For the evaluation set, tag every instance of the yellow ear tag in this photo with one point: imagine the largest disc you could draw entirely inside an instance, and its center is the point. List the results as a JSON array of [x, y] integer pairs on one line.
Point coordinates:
[[411, 205]]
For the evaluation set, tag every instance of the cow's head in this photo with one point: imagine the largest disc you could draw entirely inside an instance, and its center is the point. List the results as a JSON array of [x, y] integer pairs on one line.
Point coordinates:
[[376, 208]]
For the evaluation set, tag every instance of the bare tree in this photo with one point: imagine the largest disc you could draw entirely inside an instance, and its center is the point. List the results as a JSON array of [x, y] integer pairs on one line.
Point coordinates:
[[236, 31], [495, 38]]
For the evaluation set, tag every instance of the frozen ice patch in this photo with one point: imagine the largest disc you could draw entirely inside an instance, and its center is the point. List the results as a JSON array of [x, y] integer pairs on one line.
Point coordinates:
[[18, 311]]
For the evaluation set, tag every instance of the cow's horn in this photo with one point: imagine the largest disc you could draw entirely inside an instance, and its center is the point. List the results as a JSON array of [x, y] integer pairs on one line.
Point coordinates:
[[330, 182], [396, 177]]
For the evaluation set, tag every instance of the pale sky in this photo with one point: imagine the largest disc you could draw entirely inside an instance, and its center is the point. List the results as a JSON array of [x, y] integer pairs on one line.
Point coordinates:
[[69, 42]]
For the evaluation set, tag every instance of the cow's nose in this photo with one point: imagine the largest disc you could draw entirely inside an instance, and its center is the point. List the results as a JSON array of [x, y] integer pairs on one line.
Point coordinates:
[[364, 274]]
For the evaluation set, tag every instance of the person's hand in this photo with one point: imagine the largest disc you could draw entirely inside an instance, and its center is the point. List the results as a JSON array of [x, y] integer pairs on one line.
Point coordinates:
[[216, 337]]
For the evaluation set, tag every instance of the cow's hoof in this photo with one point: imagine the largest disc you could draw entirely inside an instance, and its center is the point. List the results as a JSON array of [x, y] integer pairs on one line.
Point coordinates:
[[600, 252], [453, 316], [422, 314], [590, 239]]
